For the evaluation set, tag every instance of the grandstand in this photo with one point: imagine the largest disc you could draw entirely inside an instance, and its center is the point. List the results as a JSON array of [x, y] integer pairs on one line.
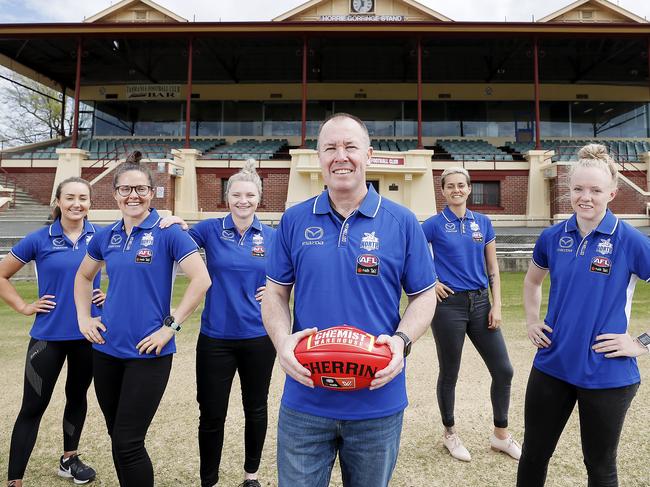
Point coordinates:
[[512, 102]]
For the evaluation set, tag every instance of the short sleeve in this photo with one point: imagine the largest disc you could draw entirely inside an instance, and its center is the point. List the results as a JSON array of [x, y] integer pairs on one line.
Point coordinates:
[[427, 228], [180, 243], [199, 232], [638, 253], [27, 249], [94, 248], [279, 266], [540, 252], [489, 231], [417, 276]]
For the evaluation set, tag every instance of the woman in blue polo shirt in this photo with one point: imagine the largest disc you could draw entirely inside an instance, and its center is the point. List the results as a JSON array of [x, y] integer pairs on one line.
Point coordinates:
[[57, 250], [585, 354], [134, 341], [464, 252], [232, 337]]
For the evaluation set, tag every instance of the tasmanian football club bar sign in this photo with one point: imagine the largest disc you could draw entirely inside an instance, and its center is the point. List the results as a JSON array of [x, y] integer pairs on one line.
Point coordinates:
[[362, 18], [153, 91], [387, 161]]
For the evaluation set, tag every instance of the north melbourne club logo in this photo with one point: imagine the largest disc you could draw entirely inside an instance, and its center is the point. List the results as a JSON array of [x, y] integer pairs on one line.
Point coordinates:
[[147, 239], [258, 239], [369, 241], [605, 246], [474, 227]]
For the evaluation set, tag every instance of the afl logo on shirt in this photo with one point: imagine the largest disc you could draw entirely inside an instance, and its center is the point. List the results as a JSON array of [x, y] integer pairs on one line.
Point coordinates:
[[144, 256], [477, 236], [368, 265], [600, 265], [258, 251]]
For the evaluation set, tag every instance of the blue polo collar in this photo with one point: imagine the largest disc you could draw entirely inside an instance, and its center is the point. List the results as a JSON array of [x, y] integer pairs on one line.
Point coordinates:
[[369, 206], [450, 216], [56, 229], [229, 224], [151, 221], [607, 225]]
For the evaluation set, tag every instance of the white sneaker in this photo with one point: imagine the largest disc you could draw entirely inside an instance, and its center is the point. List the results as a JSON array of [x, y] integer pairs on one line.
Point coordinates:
[[455, 447], [509, 446]]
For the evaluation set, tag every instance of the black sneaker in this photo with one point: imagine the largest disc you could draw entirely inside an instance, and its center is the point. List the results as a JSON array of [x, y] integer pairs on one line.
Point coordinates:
[[250, 483], [73, 468]]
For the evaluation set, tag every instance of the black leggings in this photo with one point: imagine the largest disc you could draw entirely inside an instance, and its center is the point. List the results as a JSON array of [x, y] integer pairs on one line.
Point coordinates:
[[216, 364], [42, 367], [129, 392], [549, 403], [466, 313]]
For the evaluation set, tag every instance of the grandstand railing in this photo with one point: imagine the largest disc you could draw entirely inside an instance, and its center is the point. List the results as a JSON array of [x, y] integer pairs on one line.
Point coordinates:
[[7, 181]]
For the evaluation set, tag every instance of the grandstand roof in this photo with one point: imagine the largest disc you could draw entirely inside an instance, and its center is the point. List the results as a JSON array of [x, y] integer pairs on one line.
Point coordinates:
[[615, 13], [314, 9], [112, 13]]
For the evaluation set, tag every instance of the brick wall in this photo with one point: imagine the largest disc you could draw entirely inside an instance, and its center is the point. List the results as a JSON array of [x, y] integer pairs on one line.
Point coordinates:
[[275, 183], [37, 182], [513, 191]]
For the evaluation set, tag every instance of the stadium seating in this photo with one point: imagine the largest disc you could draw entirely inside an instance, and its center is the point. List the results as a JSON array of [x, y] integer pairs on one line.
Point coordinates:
[[473, 150], [566, 150], [248, 149]]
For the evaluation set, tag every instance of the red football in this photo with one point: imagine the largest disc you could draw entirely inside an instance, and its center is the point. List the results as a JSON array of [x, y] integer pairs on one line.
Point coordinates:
[[342, 358]]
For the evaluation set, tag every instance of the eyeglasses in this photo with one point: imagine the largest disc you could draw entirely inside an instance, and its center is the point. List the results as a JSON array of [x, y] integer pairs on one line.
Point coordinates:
[[140, 190]]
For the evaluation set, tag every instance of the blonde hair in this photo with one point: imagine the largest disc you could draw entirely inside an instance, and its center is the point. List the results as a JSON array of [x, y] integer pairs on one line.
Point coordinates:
[[596, 155], [246, 174], [454, 170]]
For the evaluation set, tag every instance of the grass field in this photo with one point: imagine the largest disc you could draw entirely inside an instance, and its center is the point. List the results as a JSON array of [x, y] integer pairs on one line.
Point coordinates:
[[172, 442]]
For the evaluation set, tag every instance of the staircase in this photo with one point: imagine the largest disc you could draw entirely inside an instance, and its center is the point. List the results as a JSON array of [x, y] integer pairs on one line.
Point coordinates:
[[26, 215]]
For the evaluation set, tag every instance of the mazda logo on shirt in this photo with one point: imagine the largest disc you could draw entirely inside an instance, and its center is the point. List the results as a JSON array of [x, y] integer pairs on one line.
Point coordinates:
[[566, 242], [313, 233]]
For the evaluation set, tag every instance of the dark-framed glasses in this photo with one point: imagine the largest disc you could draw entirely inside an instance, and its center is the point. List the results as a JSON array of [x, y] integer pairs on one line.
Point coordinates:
[[140, 190]]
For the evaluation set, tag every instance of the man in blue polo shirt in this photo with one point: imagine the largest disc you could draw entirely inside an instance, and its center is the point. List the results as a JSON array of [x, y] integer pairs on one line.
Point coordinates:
[[323, 246]]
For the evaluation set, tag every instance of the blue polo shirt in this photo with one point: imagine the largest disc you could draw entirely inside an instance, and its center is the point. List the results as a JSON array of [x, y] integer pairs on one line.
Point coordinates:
[[349, 272], [458, 247], [592, 283], [141, 268], [57, 260], [237, 266]]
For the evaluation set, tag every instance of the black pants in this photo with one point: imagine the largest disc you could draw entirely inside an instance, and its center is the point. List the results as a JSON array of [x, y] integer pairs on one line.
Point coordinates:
[[549, 403], [42, 367], [129, 392], [216, 364], [466, 313]]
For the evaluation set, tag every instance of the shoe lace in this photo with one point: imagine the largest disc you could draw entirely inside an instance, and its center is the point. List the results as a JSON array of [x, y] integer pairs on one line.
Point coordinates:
[[76, 464], [250, 483], [455, 441]]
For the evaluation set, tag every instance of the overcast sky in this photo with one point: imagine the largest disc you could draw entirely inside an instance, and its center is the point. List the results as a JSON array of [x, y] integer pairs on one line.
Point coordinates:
[[262, 10]]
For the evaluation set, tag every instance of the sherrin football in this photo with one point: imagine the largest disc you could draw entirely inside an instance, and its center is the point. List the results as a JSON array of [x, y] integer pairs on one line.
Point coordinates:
[[342, 358]]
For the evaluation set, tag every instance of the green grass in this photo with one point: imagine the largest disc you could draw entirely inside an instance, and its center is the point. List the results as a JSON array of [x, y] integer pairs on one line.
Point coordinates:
[[172, 443]]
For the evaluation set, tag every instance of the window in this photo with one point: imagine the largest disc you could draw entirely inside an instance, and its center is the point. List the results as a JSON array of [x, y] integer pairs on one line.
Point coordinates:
[[586, 14], [140, 15], [224, 185], [486, 193]]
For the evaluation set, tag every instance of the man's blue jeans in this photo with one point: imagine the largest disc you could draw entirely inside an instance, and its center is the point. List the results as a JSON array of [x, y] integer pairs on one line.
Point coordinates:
[[307, 448]]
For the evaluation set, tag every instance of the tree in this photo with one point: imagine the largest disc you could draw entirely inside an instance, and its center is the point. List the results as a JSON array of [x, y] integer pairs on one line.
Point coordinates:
[[30, 111]]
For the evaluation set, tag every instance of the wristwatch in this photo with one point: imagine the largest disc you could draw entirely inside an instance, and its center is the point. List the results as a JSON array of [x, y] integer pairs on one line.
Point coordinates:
[[644, 339], [170, 321], [407, 342]]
